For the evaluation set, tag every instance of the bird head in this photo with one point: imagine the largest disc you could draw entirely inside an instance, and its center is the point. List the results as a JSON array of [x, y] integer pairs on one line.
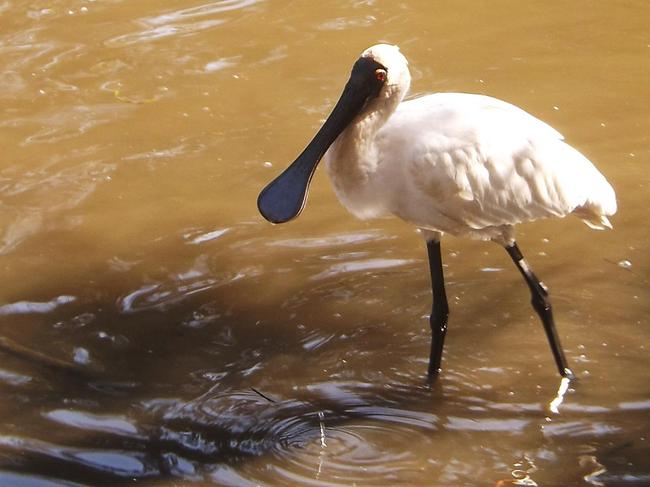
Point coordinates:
[[379, 77], [395, 70]]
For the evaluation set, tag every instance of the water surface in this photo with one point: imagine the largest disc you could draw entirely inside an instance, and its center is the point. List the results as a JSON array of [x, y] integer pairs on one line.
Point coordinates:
[[154, 328]]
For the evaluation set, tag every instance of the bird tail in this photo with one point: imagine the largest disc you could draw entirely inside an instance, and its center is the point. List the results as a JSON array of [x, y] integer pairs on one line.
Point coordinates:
[[596, 222], [599, 205]]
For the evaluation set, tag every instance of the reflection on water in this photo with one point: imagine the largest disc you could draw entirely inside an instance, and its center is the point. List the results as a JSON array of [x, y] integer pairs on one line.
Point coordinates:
[[154, 328]]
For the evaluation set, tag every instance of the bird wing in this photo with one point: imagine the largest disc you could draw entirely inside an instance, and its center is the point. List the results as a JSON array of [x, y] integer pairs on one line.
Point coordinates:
[[471, 162]]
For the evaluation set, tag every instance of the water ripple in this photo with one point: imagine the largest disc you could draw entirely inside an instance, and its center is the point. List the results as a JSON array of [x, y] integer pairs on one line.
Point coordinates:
[[27, 307], [360, 265], [199, 237], [118, 425], [179, 22], [353, 452], [65, 123], [162, 295], [207, 9], [198, 278], [336, 436], [330, 240], [25, 480], [121, 463], [589, 429], [160, 32], [508, 425], [35, 195], [14, 379]]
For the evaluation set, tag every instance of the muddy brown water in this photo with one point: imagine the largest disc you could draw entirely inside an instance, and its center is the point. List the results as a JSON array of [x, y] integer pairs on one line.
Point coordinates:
[[143, 300]]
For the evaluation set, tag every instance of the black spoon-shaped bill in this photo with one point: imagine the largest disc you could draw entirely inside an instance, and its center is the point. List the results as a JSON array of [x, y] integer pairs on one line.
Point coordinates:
[[284, 198]]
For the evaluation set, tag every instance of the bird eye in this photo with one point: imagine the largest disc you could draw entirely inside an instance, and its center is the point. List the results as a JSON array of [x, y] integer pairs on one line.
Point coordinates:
[[380, 74]]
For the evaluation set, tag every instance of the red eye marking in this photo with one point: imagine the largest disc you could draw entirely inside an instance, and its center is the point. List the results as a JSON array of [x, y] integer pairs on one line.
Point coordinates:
[[380, 74]]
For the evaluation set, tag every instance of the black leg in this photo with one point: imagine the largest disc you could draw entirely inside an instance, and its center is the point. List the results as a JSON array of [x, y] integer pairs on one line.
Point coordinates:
[[440, 309], [542, 305]]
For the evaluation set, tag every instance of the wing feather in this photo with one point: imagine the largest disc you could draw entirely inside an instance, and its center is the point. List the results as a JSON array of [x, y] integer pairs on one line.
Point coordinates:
[[476, 162]]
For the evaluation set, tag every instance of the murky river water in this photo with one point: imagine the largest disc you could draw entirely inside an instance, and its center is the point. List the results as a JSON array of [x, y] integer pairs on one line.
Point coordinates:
[[153, 327]]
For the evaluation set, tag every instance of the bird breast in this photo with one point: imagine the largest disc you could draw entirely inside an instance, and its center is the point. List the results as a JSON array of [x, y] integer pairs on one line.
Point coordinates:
[[352, 163]]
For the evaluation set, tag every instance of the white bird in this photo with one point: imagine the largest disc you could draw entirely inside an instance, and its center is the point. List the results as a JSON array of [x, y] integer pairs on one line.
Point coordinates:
[[456, 163]]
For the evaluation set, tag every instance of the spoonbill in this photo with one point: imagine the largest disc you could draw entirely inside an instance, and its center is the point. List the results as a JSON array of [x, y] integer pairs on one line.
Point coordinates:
[[463, 164]]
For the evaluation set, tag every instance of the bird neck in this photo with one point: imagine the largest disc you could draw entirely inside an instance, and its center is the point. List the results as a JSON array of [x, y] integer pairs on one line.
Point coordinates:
[[352, 159]]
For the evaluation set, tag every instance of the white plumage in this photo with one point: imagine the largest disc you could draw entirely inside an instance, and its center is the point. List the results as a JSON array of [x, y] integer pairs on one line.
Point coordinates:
[[459, 163], [448, 163]]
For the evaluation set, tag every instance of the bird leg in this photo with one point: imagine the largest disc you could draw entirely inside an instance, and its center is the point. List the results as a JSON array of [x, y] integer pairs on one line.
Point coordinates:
[[440, 309], [542, 305]]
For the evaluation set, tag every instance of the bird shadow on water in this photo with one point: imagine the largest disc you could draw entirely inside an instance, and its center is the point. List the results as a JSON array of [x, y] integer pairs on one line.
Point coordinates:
[[134, 421], [174, 378]]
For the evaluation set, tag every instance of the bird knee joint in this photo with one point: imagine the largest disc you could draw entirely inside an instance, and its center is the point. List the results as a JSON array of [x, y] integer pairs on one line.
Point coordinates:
[[541, 304], [543, 288], [438, 319]]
